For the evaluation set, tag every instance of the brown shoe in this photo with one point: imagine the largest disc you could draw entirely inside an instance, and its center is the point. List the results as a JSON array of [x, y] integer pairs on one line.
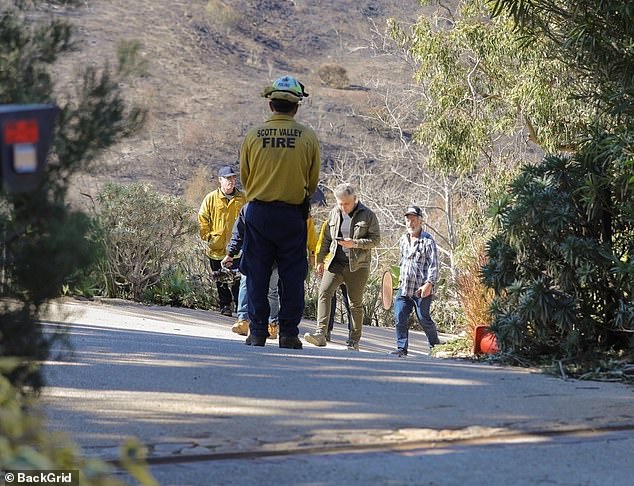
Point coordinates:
[[241, 327], [273, 328]]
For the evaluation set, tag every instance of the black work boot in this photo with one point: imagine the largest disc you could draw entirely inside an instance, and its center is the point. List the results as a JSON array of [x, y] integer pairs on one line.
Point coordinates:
[[255, 340], [290, 342]]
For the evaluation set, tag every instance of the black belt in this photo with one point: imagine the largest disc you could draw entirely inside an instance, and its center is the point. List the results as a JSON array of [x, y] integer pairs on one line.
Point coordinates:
[[277, 203]]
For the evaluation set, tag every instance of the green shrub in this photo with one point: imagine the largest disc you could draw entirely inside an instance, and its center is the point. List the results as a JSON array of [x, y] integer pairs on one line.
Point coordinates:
[[180, 289], [561, 264], [144, 235], [374, 314], [311, 294], [130, 59], [447, 312]]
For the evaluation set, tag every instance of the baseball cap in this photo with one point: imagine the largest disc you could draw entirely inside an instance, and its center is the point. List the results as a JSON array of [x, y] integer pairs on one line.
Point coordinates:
[[226, 171], [285, 88], [415, 210]]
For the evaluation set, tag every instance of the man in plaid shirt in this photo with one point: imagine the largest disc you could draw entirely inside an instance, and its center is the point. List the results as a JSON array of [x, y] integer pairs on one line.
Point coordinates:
[[419, 272]]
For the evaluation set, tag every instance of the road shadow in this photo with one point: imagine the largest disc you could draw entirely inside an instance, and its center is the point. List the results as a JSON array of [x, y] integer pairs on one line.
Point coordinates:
[[181, 380]]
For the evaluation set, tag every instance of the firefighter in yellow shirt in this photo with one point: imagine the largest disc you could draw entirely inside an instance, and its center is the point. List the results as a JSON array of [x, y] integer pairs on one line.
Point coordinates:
[[279, 170], [218, 212]]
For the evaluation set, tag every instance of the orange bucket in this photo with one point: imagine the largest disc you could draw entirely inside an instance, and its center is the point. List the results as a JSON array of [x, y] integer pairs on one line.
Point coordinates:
[[484, 341]]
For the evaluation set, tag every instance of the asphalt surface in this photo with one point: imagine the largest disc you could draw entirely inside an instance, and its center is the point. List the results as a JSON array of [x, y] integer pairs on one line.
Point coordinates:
[[213, 411]]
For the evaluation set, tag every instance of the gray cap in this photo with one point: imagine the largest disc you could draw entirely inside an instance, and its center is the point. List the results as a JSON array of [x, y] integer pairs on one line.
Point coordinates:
[[226, 171]]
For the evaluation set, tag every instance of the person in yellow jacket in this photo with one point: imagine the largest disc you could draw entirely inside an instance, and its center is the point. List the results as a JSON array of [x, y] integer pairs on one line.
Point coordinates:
[[218, 212], [312, 240]]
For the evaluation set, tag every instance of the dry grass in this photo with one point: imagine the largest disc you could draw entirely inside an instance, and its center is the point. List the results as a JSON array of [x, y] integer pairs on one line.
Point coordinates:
[[202, 66], [474, 297], [201, 184], [334, 76], [192, 133], [222, 14]]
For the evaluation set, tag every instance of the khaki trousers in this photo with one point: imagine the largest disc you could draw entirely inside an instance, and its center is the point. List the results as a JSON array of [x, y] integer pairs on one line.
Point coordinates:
[[330, 282]]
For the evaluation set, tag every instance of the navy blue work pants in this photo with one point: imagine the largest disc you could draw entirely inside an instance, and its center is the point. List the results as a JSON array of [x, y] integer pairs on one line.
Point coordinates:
[[274, 232]]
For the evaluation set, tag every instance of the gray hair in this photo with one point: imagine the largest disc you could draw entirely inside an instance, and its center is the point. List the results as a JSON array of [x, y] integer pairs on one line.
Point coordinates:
[[344, 190]]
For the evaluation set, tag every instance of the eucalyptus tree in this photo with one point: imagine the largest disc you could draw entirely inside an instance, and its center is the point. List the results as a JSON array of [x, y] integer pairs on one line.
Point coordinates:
[[487, 102], [491, 101]]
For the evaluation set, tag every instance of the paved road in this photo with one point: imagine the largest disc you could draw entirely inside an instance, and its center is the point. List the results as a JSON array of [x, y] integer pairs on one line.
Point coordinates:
[[213, 411]]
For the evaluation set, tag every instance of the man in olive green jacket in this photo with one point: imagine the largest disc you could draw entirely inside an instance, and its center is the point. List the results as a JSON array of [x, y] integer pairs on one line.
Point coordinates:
[[218, 212], [353, 230]]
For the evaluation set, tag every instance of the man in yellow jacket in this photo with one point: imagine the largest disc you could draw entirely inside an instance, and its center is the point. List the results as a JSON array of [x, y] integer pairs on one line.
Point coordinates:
[[218, 212]]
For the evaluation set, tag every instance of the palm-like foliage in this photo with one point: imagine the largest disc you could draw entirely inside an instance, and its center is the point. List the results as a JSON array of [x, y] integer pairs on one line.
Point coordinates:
[[561, 263], [561, 287]]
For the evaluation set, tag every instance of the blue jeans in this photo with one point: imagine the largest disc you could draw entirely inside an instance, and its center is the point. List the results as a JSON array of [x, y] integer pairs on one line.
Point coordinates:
[[403, 306], [274, 302], [274, 295]]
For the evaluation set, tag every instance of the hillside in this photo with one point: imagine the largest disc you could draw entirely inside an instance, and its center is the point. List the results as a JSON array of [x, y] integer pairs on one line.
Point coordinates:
[[206, 62]]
